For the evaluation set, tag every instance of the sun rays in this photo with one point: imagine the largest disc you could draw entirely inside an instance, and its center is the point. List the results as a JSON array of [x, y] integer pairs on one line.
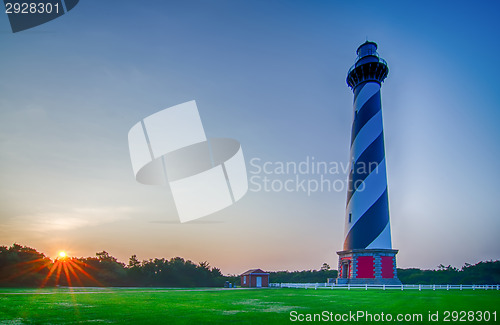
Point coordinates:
[[71, 268]]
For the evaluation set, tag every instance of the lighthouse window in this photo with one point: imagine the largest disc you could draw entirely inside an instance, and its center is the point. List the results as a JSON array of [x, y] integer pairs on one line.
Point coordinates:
[[350, 217]]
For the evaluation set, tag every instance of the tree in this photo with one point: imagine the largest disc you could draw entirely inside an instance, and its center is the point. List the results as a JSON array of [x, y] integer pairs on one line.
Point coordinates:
[[133, 261], [23, 266], [105, 269]]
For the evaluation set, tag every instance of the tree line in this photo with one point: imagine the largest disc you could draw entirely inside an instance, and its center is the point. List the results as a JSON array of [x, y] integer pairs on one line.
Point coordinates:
[[22, 266], [309, 276], [481, 273]]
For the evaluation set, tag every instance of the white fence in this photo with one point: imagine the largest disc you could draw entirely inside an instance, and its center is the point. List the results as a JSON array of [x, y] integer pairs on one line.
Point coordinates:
[[333, 286]]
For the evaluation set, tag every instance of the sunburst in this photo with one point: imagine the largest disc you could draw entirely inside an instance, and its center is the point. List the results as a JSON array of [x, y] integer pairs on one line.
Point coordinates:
[[72, 269]]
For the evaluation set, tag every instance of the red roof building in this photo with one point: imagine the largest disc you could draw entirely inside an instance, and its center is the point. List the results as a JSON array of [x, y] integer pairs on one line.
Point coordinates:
[[255, 278]]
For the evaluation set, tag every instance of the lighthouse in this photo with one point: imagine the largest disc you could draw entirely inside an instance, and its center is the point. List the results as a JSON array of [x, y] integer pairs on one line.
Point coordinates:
[[367, 256]]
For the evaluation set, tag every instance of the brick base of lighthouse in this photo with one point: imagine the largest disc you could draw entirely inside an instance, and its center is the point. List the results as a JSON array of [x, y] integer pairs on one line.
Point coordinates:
[[368, 266]]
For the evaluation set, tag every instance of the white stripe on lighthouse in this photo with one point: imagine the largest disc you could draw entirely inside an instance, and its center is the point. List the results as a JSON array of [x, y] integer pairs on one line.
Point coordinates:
[[368, 90], [383, 240], [368, 133], [368, 193]]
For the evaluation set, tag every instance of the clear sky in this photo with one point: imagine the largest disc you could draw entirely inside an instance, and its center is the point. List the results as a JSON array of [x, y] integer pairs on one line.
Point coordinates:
[[270, 74]]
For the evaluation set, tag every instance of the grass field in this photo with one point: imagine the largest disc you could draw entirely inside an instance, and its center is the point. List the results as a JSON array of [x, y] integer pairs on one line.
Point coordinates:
[[240, 306]]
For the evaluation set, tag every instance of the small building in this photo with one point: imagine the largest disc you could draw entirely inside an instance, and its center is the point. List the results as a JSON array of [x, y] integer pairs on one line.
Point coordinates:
[[255, 278]]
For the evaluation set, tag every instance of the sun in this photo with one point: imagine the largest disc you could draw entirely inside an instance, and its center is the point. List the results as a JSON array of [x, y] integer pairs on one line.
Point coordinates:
[[62, 254]]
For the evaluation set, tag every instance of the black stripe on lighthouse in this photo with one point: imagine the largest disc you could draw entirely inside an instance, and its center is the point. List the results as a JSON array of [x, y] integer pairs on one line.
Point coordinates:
[[369, 225], [363, 114], [365, 165]]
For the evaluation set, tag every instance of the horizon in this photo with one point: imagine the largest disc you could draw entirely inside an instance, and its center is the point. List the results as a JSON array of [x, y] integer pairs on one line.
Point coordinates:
[[65, 255]]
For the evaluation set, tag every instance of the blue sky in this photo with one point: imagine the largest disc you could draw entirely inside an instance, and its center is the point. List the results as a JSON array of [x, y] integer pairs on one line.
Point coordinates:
[[270, 74]]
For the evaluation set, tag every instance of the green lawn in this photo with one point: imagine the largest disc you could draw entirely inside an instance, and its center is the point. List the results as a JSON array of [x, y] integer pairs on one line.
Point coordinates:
[[241, 306]]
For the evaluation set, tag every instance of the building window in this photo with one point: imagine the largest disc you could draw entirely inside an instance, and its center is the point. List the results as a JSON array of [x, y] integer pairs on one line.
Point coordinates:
[[245, 279]]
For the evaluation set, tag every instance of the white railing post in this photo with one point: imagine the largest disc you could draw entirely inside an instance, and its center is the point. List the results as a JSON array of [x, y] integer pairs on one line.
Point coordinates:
[[433, 287], [366, 286], [447, 287], [348, 286], [419, 287], [383, 287], [460, 287], [402, 286], [473, 287]]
